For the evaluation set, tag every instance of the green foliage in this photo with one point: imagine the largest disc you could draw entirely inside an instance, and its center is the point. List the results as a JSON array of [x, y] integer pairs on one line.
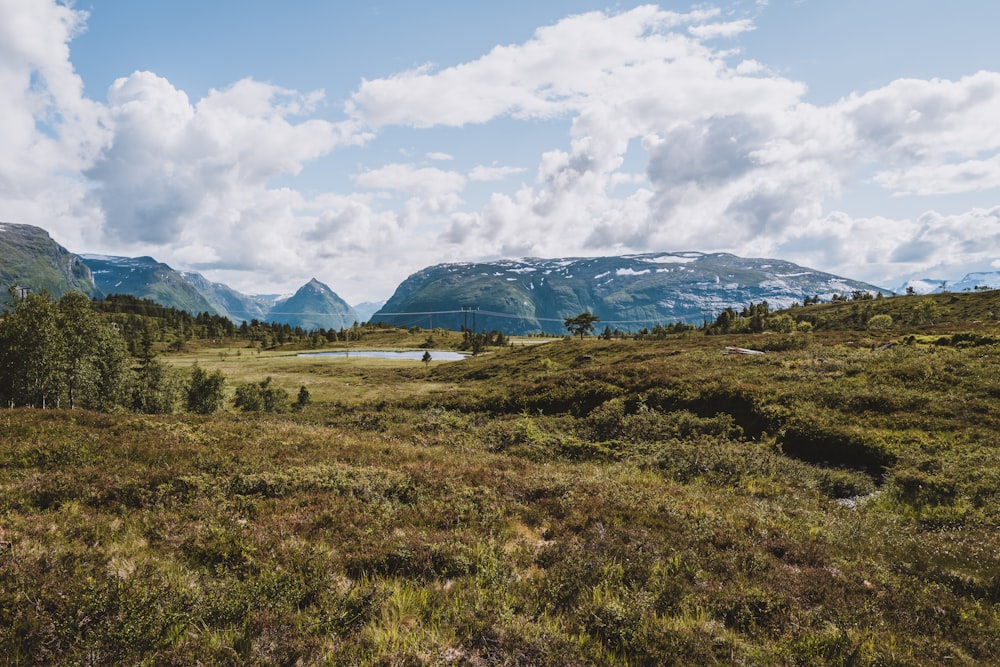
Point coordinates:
[[60, 353], [249, 397], [582, 324], [754, 318], [265, 397], [879, 322], [782, 323], [205, 391], [157, 388], [302, 399], [591, 502], [815, 442], [967, 339], [31, 259], [478, 342], [33, 353]]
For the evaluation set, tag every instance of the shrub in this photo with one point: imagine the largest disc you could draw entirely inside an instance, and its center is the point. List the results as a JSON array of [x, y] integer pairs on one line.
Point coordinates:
[[157, 389], [263, 397], [205, 391], [880, 323], [303, 399], [248, 397], [781, 323]]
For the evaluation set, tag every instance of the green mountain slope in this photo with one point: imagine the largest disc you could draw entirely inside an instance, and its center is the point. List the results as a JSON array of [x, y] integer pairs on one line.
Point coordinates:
[[145, 278], [30, 258], [228, 302], [314, 306], [628, 292]]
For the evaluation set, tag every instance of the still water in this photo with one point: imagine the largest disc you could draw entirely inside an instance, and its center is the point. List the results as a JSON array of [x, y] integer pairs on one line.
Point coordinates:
[[415, 355]]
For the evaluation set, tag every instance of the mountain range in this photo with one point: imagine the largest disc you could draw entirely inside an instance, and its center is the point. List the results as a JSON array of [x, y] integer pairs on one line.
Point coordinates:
[[313, 306], [628, 292], [970, 283], [30, 258]]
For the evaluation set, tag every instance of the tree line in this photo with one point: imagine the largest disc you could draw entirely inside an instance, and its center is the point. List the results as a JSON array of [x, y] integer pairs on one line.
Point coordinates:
[[75, 353], [61, 354], [141, 319]]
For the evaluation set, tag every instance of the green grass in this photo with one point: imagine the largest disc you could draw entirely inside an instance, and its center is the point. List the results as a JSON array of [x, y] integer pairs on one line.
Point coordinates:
[[579, 502], [343, 380]]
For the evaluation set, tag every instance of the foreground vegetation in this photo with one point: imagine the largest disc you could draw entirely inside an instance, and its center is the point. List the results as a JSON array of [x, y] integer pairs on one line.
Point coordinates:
[[832, 502]]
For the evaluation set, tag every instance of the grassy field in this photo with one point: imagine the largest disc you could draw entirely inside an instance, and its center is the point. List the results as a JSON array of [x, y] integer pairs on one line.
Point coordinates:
[[832, 502]]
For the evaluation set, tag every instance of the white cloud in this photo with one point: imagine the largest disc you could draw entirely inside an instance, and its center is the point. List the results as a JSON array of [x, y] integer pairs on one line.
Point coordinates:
[[173, 165], [483, 173], [717, 30], [736, 160], [938, 179], [881, 250], [618, 77], [930, 137], [48, 130], [554, 73], [670, 142], [914, 120]]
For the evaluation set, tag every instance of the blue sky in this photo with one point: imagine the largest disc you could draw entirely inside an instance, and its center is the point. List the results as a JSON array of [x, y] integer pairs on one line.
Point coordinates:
[[266, 143]]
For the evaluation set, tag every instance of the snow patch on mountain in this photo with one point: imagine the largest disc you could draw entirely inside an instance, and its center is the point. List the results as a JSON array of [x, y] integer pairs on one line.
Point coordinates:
[[978, 281], [922, 286], [668, 258]]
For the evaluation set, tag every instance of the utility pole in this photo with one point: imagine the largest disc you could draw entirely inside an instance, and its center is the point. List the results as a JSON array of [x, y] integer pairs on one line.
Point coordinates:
[[465, 311]]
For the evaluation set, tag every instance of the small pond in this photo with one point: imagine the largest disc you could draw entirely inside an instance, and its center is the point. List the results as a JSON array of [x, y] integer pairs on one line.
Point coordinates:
[[415, 355]]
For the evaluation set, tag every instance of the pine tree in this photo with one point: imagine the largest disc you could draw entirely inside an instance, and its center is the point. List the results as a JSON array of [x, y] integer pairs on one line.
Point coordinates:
[[303, 399], [582, 324]]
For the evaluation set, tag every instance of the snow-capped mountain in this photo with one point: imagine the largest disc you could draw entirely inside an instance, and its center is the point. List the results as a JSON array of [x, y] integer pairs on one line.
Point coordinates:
[[922, 286], [972, 282], [628, 292], [146, 278]]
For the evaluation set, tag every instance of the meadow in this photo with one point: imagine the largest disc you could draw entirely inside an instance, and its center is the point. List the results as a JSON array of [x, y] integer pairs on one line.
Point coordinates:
[[834, 501]]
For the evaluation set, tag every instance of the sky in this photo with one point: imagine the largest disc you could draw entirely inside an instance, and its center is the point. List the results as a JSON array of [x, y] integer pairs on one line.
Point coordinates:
[[263, 144]]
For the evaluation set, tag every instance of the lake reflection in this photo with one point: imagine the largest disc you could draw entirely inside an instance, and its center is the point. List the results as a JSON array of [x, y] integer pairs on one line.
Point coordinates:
[[415, 355]]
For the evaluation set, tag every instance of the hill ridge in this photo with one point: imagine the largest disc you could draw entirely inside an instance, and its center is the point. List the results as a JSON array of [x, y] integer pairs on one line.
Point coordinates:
[[526, 295]]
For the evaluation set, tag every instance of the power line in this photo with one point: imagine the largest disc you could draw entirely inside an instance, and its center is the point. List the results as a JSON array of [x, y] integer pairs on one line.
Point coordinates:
[[493, 313]]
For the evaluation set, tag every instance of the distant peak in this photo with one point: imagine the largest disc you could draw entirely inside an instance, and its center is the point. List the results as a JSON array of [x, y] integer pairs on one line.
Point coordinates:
[[315, 287]]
